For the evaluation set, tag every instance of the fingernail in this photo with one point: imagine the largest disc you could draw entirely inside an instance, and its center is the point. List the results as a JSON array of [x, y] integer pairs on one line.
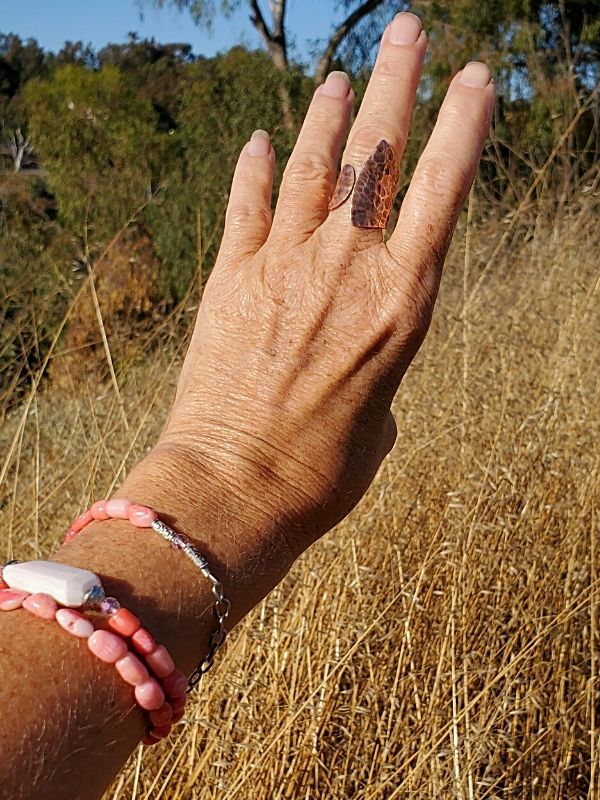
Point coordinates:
[[336, 85], [405, 28], [260, 144], [476, 75]]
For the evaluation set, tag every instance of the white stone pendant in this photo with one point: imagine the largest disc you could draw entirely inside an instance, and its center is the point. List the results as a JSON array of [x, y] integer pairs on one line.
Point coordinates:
[[69, 586]]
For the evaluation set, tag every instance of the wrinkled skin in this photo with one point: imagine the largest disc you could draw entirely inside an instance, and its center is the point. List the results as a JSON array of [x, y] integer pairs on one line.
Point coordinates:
[[282, 414], [308, 324]]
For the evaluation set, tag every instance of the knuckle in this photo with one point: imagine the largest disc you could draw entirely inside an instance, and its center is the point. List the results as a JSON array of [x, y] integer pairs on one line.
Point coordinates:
[[367, 136], [244, 215], [462, 116], [410, 315], [389, 65], [415, 308], [455, 113], [416, 318], [308, 168], [446, 177]]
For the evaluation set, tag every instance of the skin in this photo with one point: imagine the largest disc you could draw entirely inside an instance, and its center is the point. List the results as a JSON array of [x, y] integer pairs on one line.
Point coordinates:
[[282, 414]]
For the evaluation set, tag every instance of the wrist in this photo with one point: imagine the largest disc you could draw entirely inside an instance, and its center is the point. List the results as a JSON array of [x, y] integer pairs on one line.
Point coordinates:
[[161, 584], [239, 530]]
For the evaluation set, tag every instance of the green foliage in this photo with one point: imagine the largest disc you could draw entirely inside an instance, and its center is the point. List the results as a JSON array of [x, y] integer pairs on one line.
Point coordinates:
[[154, 71], [34, 281], [523, 41], [150, 120], [20, 62], [96, 138], [223, 101]]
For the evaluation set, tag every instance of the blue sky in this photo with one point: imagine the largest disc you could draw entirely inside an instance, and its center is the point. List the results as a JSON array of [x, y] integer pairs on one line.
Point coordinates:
[[98, 22]]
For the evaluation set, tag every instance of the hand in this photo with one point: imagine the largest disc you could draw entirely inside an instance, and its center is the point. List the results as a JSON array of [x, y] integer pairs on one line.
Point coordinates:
[[282, 414], [308, 324]]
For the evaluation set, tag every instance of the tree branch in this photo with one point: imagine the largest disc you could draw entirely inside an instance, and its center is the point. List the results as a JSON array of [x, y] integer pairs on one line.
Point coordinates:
[[278, 36], [278, 11], [342, 30], [276, 47], [257, 19]]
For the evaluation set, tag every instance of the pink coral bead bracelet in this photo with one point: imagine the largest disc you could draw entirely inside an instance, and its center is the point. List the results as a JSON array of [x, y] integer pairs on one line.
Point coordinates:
[[144, 517], [159, 687]]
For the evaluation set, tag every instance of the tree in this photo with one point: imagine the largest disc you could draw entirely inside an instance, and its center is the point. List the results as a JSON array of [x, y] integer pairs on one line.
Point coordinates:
[[20, 61], [222, 101], [156, 71], [544, 57], [356, 22], [19, 149], [564, 36], [97, 140]]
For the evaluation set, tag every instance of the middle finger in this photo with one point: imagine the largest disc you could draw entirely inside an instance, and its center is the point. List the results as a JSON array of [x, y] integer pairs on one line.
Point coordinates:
[[386, 109]]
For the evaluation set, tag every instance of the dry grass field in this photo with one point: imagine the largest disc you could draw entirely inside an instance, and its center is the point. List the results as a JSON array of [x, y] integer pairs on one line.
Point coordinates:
[[443, 642]]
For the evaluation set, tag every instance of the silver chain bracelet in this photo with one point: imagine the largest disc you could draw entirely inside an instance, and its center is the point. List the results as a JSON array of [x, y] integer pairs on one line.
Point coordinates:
[[221, 607]]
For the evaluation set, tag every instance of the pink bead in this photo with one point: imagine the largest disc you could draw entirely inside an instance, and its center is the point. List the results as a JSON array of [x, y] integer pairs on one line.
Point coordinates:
[[11, 599], [141, 516], [161, 716], [81, 521], [71, 534], [160, 662], [124, 622], [41, 605], [98, 510], [160, 731], [149, 695], [74, 623], [131, 669], [107, 646], [178, 703], [143, 641], [175, 684], [118, 508]]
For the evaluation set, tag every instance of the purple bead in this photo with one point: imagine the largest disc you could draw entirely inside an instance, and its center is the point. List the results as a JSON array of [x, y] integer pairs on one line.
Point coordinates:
[[110, 605]]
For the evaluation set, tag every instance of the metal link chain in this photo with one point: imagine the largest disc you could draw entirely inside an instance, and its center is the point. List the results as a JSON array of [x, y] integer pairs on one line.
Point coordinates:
[[221, 607]]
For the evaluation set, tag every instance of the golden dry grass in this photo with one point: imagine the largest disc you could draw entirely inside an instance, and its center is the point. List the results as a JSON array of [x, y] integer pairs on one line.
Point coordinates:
[[443, 641]]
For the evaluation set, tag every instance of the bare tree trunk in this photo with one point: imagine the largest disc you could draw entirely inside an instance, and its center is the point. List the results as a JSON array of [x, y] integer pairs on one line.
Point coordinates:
[[20, 148], [275, 41]]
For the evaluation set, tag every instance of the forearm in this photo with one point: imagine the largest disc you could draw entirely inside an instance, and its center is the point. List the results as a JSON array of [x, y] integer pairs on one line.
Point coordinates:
[[68, 721], [307, 325]]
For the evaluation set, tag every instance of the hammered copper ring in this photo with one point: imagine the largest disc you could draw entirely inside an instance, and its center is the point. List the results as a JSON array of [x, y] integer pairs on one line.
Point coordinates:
[[373, 191]]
